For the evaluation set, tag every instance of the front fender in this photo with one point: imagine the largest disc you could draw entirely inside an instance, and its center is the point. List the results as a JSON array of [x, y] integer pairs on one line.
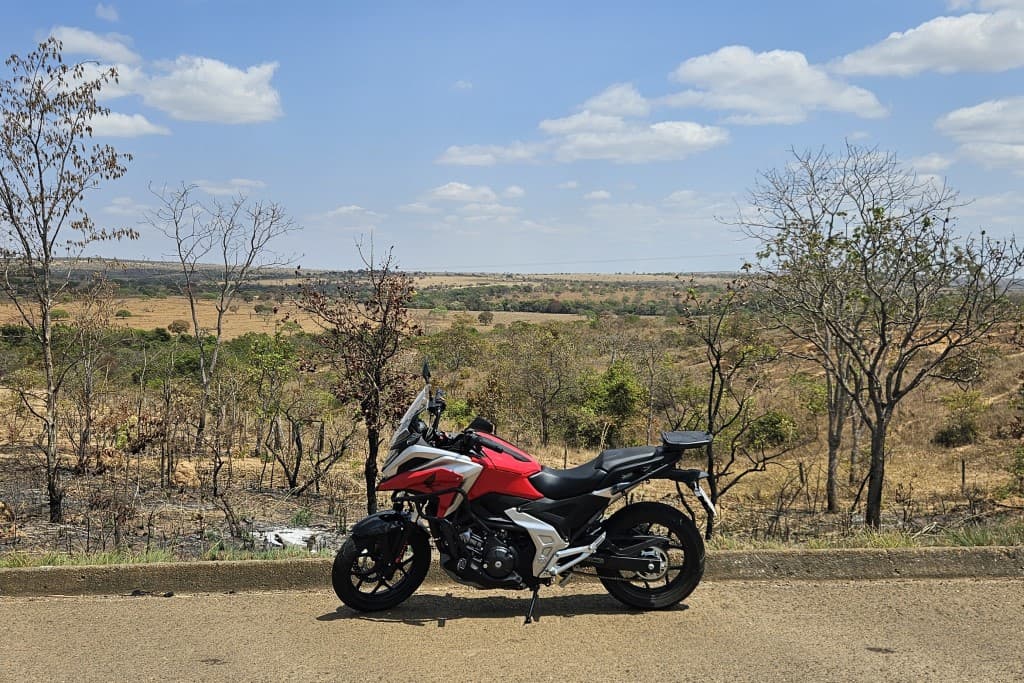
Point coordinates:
[[389, 525]]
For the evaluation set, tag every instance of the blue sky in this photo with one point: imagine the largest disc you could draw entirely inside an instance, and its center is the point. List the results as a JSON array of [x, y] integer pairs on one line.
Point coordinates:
[[538, 136]]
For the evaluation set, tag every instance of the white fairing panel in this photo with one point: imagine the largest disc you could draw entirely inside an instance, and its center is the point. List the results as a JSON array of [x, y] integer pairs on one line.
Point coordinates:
[[545, 539], [462, 465]]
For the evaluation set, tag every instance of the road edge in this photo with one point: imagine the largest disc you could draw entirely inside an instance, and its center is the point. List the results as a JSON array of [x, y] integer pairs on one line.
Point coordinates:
[[314, 573]]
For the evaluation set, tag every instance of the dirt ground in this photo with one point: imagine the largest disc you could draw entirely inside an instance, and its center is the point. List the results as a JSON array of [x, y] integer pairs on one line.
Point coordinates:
[[727, 631]]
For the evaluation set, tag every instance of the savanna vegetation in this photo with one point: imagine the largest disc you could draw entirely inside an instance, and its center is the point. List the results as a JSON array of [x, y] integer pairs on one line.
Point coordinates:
[[863, 374]]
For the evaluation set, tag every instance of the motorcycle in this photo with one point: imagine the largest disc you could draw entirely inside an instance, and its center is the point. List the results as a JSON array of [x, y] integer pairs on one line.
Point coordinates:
[[501, 520]]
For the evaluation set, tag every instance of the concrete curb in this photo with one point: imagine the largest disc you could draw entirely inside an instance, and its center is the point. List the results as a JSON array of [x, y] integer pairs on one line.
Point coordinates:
[[300, 574]]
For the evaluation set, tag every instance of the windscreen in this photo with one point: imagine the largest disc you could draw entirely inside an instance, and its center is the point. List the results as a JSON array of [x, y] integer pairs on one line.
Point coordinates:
[[418, 405]]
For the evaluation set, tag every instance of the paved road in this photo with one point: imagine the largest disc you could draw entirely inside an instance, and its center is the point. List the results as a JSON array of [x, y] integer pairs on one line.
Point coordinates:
[[949, 630]]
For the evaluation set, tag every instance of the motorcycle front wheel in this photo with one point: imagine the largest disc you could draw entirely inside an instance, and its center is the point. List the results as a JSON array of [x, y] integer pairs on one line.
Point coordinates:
[[367, 578], [674, 540]]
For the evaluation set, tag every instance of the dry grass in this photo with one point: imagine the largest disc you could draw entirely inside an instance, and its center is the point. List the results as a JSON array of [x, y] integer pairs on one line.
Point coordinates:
[[149, 313]]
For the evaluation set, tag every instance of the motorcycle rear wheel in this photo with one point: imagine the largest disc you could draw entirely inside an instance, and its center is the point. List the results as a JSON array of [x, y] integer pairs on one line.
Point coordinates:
[[365, 579], [681, 544]]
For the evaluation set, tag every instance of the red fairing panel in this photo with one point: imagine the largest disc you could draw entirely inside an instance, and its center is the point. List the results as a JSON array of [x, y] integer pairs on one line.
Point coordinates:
[[505, 474], [422, 481]]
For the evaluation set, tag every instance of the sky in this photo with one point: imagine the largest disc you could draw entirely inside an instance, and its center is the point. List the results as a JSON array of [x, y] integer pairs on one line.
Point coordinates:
[[536, 136]]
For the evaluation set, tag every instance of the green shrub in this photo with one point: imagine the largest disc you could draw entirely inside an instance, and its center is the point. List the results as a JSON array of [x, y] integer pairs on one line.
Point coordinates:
[[1017, 469], [957, 434], [179, 326], [302, 517], [59, 314], [458, 412], [961, 427], [123, 313], [771, 429]]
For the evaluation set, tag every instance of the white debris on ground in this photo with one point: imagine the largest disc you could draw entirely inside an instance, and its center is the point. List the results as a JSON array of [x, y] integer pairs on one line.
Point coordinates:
[[312, 539]]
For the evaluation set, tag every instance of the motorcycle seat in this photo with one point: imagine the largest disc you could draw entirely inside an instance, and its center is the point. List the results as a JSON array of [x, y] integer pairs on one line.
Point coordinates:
[[607, 469], [615, 459]]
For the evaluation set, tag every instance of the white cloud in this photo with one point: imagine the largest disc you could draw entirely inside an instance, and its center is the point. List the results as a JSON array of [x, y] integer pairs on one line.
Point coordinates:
[[960, 5], [930, 163], [418, 208], [204, 89], [991, 133], [700, 206], [605, 127], [488, 155], [485, 210], [126, 207], [513, 192], [1000, 215], [107, 12], [778, 87], [461, 192], [111, 47], [663, 141], [598, 195], [971, 42], [349, 217], [682, 198], [351, 210], [131, 79], [1006, 208], [116, 125], [582, 122], [632, 215], [188, 88], [481, 225], [619, 99], [568, 185], [462, 85], [994, 154], [230, 187]]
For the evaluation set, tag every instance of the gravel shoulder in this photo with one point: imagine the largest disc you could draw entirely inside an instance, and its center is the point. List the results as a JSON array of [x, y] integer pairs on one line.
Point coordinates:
[[783, 630]]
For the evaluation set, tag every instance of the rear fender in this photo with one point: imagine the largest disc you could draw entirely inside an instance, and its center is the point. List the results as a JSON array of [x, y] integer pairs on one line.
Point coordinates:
[[688, 477], [692, 479]]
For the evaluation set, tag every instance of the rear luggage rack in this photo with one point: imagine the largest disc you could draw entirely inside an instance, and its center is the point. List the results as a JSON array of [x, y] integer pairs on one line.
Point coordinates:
[[681, 441]]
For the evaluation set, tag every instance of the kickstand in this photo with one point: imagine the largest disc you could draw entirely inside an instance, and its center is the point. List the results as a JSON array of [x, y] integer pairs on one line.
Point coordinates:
[[533, 603]]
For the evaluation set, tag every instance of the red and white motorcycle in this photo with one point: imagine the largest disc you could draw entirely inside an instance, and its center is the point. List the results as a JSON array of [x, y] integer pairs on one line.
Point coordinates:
[[499, 519]]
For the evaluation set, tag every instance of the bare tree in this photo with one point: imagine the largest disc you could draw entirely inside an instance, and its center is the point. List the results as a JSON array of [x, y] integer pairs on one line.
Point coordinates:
[[365, 321], [91, 362], [539, 366], [749, 435], [220, 247], [806, 192], [863, 263], [47, 164], [281, 391]]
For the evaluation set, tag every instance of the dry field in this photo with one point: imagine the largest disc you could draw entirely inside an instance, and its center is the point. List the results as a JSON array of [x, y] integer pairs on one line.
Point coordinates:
[[470, 280], [148, 313], [928, 488]]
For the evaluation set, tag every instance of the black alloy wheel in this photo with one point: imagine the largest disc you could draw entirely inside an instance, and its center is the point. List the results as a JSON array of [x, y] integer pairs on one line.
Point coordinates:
[[676, 548], [367, 578]]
